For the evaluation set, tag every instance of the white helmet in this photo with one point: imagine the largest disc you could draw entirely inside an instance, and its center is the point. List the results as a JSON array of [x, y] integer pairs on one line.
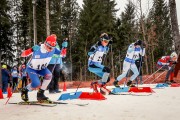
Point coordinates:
[[173, 55]]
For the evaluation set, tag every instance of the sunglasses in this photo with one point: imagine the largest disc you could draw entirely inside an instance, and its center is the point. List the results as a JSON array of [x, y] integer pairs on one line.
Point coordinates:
[[49, 47], [106, 41]]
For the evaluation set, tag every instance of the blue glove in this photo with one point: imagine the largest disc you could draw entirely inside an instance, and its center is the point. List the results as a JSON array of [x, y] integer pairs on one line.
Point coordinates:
[[65, 44]]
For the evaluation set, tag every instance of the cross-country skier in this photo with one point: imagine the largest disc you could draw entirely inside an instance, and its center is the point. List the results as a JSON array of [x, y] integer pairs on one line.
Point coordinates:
[[167, 63], [37, 65], [55, 66], [95, 66], [132, 55]]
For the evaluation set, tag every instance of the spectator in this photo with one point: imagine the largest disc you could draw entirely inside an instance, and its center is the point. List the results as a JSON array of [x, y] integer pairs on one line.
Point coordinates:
[[5, 78]]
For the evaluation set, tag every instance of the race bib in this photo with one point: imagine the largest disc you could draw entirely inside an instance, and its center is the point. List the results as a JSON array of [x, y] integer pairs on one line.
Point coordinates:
[[97, 57], [39, 64]]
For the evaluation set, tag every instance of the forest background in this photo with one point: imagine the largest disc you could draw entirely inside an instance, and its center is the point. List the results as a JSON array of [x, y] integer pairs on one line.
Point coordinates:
[[158, 28]]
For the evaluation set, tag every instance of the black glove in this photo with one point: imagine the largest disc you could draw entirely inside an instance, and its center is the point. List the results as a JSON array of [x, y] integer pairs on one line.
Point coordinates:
[[106, 69], [110, 42]]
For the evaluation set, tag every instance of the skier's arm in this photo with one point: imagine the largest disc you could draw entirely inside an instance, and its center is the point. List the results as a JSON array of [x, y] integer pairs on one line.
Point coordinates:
[[107, 50], [99, 65], [142, 52], [64, 48], [29, 51], [131, 48], [92, 50]]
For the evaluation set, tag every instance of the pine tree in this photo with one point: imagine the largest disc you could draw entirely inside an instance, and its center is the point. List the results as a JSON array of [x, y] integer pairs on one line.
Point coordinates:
[[96, 17], [125, 34], [161, 20], [5, 34]]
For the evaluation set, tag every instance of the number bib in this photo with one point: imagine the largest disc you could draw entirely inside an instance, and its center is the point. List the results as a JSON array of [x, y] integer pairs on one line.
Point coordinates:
[[97, 57], [39, 64]]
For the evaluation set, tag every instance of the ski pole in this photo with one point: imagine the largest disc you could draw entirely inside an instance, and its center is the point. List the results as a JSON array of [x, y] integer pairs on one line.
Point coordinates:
[[152, 74], [158, 76]]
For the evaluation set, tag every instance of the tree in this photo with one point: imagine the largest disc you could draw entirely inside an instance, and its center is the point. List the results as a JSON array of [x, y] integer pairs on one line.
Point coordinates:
[[96, 17], [161, 18], [5, 33], [125, 34], [158, 33]]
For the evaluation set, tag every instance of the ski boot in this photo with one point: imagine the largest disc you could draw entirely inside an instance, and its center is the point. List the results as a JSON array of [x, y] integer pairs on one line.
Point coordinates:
[[130, 84], [94, 86], [115, 83], [24, 94], [41, 97], [104, 90], [172, 81], [167, 82]]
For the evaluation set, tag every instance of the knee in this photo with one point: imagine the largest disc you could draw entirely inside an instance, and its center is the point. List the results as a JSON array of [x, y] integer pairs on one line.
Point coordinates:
[[136, 73], [48, 77], [108, 79], [35, 84]]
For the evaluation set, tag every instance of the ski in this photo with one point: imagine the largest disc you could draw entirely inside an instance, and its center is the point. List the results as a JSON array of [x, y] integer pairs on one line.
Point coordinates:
[[78, 104], [47, 103], [35, 103]]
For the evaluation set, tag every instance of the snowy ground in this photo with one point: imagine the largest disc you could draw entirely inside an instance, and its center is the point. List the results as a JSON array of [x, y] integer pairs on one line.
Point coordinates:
[[164, 104]]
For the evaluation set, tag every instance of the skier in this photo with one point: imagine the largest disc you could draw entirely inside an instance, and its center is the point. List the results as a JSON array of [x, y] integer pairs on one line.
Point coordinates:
[[37, 65], [55, 66], [132, 55], [168, 63], [95, 63]]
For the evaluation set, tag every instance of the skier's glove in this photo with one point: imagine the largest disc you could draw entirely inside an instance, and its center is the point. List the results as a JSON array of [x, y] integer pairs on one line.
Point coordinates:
[[110, 42], [65, 44], [106, 69]]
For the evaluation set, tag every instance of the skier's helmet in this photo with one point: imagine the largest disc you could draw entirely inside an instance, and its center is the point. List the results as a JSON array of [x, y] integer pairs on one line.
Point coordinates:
[[104, 36], [173, 55], [50, 41], [138, 42]]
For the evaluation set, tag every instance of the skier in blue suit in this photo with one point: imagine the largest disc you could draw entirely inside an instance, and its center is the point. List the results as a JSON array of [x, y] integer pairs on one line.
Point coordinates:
[[95, 66], [37, 65]]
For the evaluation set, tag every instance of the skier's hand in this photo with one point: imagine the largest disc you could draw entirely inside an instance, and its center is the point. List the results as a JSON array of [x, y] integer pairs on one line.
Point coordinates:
[[65, 44], [110, 42], [63, 52], [106, 69]]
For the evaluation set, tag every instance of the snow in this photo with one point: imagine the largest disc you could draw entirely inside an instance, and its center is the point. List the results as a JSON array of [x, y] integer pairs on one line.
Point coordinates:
[[161, 105]]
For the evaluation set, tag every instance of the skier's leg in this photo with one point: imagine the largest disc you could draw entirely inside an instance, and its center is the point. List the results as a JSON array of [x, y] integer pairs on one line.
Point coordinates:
[[126, 66], [47, 79], [135, 74]]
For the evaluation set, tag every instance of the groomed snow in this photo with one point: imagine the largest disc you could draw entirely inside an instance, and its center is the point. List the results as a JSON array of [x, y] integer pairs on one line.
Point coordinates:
[[164, 104]]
